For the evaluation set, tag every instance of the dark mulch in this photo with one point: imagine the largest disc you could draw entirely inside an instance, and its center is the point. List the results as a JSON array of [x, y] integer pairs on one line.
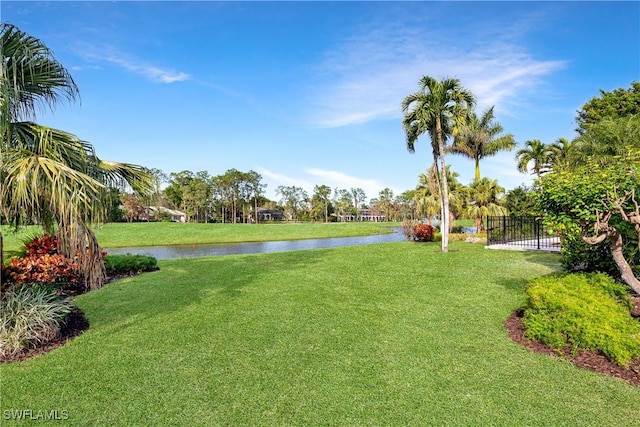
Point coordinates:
[[74, 324], [584, 359]]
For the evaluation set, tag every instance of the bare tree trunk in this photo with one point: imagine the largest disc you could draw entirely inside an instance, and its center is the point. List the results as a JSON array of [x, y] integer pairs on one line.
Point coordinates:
[[626, 274]]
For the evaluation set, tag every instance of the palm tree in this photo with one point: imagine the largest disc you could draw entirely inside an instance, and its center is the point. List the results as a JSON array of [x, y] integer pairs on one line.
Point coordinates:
[[560, 154], [479, 138], [537, 152], [437, 109], [484, 200], [49, 176], [608, 141], [426, 196]]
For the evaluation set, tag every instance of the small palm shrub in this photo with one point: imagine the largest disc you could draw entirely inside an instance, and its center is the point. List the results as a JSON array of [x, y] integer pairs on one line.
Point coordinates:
[[129, 264], [30, 316], [423, 233], [583, 311]]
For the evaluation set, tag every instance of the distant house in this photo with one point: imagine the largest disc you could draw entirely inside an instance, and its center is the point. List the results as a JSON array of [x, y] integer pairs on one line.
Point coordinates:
[[270, 215], [363, 215], [176, 216]]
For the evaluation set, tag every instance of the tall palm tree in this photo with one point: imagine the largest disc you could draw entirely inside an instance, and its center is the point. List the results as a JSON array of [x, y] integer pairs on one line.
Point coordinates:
[[484, 200], [560, 153], [437, 108], [49, 176], [479, 138], [537, 152]]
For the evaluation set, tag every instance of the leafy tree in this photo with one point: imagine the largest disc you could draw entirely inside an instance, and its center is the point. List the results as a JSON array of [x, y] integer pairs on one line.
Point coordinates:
[[196, 196], [344, 203], [256, 190], [321, 194], [294, 200], [133, 209], [114, 212], [407, 205], [537, 152], [596, 205], [359, 197], [484, 200], [437, 109], [520, 201], [387, 203], [609, 105], [50, 176], [480, 137], [178, 182], [157, 179]]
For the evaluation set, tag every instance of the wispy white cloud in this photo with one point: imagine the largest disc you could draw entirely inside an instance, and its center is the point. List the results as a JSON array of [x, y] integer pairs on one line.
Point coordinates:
[[151, 72], [367, 76], [276, 179], [134, 65], [336, 179], [310, 177]]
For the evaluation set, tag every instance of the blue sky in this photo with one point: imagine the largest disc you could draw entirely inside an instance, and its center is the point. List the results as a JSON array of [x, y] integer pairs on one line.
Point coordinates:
[[309, 93]]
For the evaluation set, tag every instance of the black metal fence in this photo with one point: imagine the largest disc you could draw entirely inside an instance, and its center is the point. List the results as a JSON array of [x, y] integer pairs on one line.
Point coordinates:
[[524, 232]]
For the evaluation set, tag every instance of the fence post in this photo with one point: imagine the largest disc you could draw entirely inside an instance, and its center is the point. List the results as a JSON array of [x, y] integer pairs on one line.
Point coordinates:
[[537, 229]]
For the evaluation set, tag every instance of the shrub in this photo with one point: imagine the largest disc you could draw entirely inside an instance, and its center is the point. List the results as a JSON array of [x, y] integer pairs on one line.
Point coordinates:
[[31, 315], [130, 264], [423, 233], [54, 270], [407, 228], [41, 245], [583, 311]]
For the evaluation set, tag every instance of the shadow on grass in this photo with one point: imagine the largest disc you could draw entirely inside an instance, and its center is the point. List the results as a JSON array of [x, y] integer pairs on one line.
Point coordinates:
[[183, 282]]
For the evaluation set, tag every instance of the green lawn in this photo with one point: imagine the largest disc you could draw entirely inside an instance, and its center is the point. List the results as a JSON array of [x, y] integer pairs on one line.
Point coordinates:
[[113, 235], [392, 334]]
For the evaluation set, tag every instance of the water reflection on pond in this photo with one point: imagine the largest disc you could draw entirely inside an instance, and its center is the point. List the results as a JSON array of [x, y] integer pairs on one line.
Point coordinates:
[[218, 249]]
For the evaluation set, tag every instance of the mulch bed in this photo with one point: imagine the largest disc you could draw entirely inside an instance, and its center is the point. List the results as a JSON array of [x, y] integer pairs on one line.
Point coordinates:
[[583, 359]]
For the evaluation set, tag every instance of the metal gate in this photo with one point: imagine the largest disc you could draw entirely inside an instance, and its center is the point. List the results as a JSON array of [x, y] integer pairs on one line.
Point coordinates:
[[521, 232]]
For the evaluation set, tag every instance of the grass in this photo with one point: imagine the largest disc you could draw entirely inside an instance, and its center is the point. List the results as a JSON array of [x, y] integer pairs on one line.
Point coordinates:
[[114, 235], [389, 334]]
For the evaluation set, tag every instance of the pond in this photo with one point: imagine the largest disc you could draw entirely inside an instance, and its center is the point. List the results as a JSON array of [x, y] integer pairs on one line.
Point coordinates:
[[218, 249]]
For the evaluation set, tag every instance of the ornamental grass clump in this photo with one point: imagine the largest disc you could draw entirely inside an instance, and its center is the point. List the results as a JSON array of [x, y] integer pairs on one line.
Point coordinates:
[[583, 312], [29, 316]]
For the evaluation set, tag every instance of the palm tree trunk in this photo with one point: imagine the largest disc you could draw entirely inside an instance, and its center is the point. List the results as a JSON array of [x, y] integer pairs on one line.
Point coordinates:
[[444, 193]]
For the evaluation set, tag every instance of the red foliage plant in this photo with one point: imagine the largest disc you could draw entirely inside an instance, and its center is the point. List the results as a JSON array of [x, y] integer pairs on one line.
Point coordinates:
[[46, 244], [423, 233], [43, 264]]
